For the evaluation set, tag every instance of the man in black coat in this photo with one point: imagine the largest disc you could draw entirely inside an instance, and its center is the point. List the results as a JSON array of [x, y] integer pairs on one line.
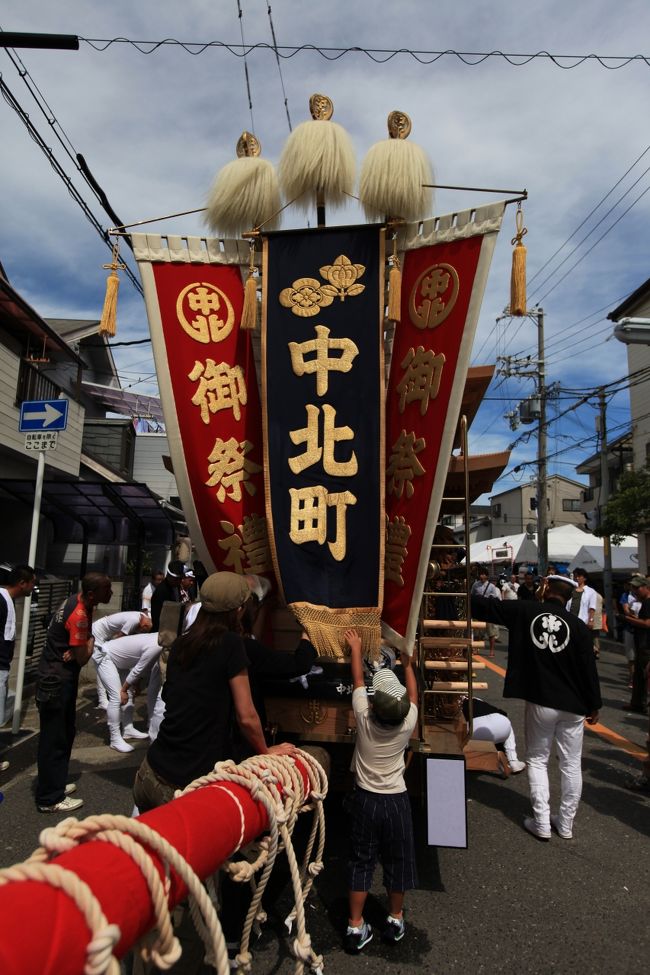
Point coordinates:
[[169, 590], [551, 666]]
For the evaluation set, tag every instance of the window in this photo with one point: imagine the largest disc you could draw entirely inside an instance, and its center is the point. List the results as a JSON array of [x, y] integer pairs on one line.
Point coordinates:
[[34, 385], [496, 510], [505, 518], [570, 504]]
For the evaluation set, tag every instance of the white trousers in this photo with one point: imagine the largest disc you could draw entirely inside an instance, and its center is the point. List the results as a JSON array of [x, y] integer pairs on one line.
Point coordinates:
[[6, 698], [496, 728], [155, 703], [110, 678], [543, 727]]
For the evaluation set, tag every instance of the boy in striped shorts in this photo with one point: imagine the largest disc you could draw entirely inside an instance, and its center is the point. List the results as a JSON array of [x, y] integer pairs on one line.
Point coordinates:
[[381, 825]]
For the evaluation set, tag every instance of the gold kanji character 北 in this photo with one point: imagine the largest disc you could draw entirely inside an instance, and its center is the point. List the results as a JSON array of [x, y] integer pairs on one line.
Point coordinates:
[[229, 468], [421, 378], [309, 517], [314, 452], [322, 363], [221, 387], [403, 465], [398, 533]]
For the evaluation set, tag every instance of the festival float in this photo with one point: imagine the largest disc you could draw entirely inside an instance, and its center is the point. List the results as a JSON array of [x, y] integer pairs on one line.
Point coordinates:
[[313, 382]]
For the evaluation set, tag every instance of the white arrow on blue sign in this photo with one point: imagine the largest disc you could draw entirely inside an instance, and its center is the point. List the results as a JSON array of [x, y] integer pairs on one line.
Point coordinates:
[[44, 414]]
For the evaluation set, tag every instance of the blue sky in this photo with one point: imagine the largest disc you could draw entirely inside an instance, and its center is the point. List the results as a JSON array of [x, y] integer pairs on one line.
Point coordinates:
[[155, 129]]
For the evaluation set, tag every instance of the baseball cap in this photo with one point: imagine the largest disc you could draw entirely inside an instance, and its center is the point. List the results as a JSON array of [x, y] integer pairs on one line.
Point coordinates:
[[176, 569], [390, 701], [223, 591], [638, 580]]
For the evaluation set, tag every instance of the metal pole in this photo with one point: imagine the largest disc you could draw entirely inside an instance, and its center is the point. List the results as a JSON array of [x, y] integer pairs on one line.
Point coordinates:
[[603, 498], [27, 605], [542, 503]]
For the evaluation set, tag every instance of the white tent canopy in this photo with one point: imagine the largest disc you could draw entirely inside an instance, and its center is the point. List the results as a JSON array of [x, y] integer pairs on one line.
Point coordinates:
[[564, 543], [625, 558]]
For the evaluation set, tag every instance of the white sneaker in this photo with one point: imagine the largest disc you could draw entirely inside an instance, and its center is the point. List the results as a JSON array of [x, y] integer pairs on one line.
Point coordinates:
[[70, 788], [131, 732], [562, 831], [119, 745], [65, 806], [537, 831], [4, 766], [516, 766]]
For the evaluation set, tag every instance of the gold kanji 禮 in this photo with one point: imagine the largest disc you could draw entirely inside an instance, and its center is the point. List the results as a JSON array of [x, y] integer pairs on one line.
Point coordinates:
[[398, 532]]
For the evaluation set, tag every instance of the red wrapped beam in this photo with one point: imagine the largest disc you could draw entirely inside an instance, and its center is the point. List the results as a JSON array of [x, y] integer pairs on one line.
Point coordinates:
[[44, 933]]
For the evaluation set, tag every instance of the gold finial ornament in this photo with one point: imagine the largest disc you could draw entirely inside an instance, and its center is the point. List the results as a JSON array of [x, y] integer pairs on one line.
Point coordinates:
[[245, 194], [318, 160], [321, 108], [248, 145], [394, 175], [399, 125]]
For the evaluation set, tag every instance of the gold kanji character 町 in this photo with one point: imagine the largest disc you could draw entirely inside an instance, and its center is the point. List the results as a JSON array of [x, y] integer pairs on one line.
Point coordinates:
[[216, 315], [403, 465], [221, 387], [322, 363], [398, 533], [229, 468], [421, 378], [331, 436], [309, 517]]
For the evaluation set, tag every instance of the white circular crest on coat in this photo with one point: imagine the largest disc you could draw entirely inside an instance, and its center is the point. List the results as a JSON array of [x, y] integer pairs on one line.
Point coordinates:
[[551, 632]]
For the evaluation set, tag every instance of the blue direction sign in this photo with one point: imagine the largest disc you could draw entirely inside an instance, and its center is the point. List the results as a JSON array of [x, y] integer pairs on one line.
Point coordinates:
[[43, 414]]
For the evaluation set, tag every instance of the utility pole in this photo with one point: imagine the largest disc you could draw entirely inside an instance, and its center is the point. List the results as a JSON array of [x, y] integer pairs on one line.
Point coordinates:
[[603, 498], [542, 494]]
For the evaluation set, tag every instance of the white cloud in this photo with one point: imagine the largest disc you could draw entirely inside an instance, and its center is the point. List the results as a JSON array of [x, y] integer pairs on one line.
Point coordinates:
[[155, 129]]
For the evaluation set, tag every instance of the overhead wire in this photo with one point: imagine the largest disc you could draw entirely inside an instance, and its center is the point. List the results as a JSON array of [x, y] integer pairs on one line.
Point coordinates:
[[378, 55], [246, 76], [279, 64], [58, 168]]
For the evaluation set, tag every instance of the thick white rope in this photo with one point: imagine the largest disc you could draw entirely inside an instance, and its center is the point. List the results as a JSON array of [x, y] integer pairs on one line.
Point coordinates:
[[272, 780]]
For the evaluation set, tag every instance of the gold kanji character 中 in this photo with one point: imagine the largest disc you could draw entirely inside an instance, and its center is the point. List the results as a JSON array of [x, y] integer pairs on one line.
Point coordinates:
[[322, 363], [421, 378], [331, 436], [309, 517], [229, 468], [221, 387], [398, 533], [403, 465]]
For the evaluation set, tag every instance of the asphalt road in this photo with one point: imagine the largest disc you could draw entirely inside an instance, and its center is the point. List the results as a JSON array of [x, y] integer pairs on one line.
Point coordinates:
[[507, 904]]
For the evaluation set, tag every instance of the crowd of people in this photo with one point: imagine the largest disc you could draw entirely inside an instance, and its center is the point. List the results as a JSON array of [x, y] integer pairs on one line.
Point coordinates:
[[204, 665]]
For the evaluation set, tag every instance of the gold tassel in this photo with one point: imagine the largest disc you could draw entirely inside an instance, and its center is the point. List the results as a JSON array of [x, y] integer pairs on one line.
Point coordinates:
[[518, 275], [249, 311], [108, 321], [395, 286]]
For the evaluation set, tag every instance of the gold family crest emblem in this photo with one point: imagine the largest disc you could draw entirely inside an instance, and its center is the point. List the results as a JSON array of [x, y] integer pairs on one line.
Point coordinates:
[[433, 296], [307, 296]]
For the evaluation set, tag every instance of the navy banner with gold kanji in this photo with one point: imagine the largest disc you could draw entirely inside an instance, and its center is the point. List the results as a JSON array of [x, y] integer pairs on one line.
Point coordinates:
[[322, 406]]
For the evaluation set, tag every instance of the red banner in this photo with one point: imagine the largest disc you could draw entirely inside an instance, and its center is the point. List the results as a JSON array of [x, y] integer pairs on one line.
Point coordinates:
[[428, 369], [212, 412]]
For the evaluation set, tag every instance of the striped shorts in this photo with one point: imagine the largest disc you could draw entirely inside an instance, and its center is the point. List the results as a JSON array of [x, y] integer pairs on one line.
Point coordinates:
[[381, 828]]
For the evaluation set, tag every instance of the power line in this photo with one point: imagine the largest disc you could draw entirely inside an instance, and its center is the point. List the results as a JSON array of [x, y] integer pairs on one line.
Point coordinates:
[[378, 55], [248, 83], [590, 214], [13, 103], [277, 58]]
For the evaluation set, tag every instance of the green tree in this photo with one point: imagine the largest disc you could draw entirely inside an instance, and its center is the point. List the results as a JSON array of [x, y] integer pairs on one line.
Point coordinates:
[[628, 511]]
